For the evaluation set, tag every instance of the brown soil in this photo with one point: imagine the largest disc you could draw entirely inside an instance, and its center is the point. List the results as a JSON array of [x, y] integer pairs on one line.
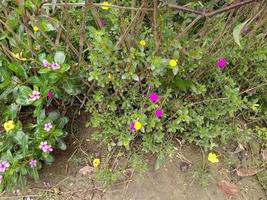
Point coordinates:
[[167, 183]]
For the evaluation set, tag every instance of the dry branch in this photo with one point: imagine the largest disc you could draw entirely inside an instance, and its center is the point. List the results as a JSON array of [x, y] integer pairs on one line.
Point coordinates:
[[165, 5]]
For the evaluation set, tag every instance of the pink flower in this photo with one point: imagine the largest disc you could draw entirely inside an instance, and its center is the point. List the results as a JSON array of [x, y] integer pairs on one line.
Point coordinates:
[[159, 113], [55, 66], [154, 97], [45, 147], [245, 30], [222, 62], [50, 94], [132, 126], [48, 126], [4, 165], [46, 184], [102, 23], [35, 95], [33, 163], [46, 63]]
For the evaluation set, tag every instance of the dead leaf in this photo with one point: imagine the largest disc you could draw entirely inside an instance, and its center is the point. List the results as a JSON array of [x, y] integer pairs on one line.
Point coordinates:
[[239, 148], [228, 188], [248, 172], [184, 166], [86, 170], [264, 154], [56, 190]]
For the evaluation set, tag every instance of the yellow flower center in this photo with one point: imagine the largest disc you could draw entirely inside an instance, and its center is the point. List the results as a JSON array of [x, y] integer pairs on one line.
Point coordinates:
[[9, 125], [137, 126], [35, 28], [142, 42], [213, 158], [96, 162], [105, 5], [173, 63]]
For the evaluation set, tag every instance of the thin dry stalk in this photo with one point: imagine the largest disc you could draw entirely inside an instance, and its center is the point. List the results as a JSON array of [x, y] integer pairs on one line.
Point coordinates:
[[126, 32]]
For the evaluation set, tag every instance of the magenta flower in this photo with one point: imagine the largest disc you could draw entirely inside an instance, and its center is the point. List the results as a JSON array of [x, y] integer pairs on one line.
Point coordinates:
[[55, 66], [154, 97], [222, 62], [45, 147], [48, 126], [35, 95], [50, 94], [159, 113], [46, 63], [4, 165], [102, 23], [132, 126], [33, 163]]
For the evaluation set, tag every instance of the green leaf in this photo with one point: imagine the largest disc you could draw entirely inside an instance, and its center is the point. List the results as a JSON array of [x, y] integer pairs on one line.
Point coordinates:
[[19, 136], [71, 87], [59, 57], [23, 97], [182, 84], [49, 159], [41, 56], [62, 122], [236, 33], [18, 69], [61, 144], [10, 112], [53, 115], [160, 160], [35, 174], [4, 78], [44, 70]]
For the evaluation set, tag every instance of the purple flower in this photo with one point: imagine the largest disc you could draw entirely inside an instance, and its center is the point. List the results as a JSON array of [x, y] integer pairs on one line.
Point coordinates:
[[159, 113], [45, 147], [154, 97], [132, 126], [222, 62], [46, 184], [55, 66], [245, 30], [102, 23], [48, 126], [46, 63], [35, 95], [50, 94], [33, 163], [4, 165]]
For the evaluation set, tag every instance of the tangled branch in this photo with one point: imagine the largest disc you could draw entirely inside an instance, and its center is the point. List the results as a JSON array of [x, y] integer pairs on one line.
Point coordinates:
[[163, 5]]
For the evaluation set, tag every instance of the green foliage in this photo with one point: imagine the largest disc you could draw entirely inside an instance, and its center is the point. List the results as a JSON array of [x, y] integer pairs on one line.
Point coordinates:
[[108, 70]]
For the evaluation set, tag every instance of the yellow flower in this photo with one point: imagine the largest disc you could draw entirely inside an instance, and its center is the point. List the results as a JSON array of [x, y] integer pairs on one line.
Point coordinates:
[[18, 56], [105, 5], [137, 125], [173, 63], [142, 42], [109, 76], [35, 28], [213, 158], [96, 162], [9, 125]]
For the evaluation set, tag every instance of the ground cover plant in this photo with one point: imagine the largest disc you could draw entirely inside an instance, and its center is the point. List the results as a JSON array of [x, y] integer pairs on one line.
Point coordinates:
[[147, 76]]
